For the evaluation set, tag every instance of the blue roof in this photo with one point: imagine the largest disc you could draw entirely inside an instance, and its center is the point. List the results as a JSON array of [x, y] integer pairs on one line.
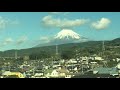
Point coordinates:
[[103, 70]]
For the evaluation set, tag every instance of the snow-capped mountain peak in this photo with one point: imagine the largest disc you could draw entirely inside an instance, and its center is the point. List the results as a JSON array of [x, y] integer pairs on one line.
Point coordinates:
[[67, 34]]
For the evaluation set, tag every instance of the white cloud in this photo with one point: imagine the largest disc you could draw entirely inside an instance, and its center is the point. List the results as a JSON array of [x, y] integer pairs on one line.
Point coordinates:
[[6, 42], [62, 23], [44, 39], [4, 22], [101, 24], [21, 40]]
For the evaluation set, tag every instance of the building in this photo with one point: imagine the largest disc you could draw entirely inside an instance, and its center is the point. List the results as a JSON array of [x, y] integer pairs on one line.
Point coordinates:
[[15, 74], [105, 71]]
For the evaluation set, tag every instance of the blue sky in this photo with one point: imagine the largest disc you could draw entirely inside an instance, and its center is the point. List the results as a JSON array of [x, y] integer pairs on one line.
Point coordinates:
[[27, 29]]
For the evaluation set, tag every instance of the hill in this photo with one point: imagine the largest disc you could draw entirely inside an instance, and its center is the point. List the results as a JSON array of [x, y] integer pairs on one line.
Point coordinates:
[[91, 47]]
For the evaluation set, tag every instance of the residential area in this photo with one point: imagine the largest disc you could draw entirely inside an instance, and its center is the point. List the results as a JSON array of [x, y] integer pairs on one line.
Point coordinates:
[[82, 67]]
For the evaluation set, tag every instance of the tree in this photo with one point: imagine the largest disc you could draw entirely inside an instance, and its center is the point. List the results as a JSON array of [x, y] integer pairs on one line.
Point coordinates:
[[67, 54], [40, 55]]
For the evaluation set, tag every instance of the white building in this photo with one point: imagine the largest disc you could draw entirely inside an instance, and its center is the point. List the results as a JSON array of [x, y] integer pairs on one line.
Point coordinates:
[[54, 73], [117, 59], [99, 58], [72, 61], [61, 72], [118, 66]]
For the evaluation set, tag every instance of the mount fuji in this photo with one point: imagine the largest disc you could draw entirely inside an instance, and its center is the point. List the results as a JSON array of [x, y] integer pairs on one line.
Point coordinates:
[[67, 34], [63, 37]]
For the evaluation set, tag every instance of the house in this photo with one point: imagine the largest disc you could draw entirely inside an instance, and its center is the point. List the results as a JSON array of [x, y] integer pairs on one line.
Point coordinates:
[[56, 66], [72, 61], [62, 72], [93, 65], [101, 70], [99, 58], [105, 71], [114, 72], [118, 66], [71, 67], [84, 58], [46, 67], [57, 73], [8, 73], [85, 61], [62, 61], [38, 74], [54, 73], [117, 59]]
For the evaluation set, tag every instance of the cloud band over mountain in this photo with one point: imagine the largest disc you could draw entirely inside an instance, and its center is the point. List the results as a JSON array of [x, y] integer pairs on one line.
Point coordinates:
[[62, 23]]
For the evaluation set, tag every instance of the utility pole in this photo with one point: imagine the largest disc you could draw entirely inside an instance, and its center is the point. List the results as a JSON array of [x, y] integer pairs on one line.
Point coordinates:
[[103, 50], [57, 53], [16, 54], [103, 47], [56, 49]]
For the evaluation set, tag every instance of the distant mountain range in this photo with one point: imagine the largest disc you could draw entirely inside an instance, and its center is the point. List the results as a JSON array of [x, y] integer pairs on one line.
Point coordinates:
[[61, 47]]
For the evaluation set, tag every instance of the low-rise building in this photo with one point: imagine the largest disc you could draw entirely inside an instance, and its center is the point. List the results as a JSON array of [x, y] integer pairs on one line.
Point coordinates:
[[105, 71], [8, 73]]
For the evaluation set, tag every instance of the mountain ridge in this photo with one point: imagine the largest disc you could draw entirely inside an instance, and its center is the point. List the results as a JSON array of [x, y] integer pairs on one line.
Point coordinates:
[[97, 45]]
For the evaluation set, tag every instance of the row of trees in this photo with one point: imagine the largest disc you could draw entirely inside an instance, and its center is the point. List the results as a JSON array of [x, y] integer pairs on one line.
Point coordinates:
[[40, 55], [72, 53], [65, 54]]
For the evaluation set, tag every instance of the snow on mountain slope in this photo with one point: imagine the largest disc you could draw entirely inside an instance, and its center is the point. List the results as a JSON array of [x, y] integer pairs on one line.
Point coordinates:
[[67, 34], [63, 37]]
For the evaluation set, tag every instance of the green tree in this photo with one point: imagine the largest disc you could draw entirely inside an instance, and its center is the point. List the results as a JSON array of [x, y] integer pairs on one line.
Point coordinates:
[[67, 54]]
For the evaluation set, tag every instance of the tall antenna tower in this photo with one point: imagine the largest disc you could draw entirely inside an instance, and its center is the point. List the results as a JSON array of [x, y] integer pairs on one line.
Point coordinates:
[[56, 49], [15, 54], [103, 47]]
